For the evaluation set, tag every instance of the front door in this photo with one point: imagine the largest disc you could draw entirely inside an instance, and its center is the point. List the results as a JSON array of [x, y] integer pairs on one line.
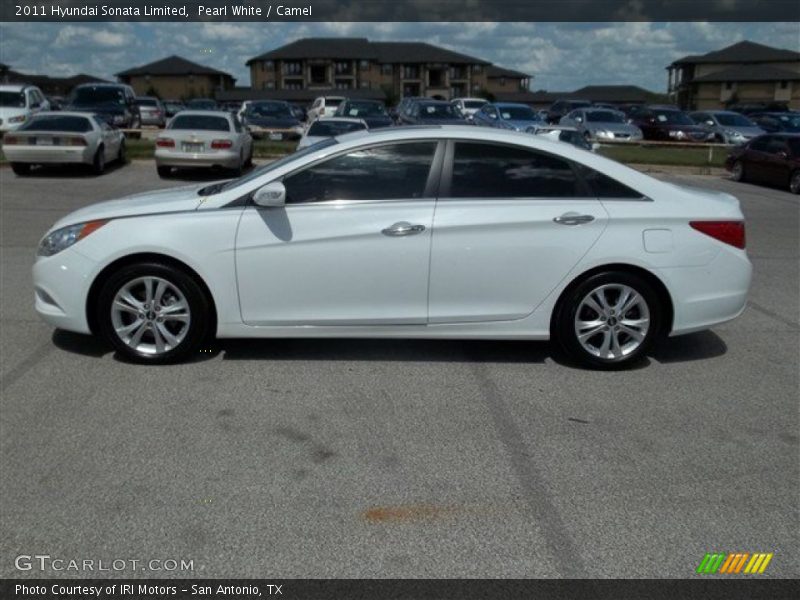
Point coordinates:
[[351, 246]]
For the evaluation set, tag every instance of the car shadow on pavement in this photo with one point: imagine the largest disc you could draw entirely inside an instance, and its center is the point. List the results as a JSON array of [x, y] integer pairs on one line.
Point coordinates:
[[71, 171], [78, 343], [690, 347]]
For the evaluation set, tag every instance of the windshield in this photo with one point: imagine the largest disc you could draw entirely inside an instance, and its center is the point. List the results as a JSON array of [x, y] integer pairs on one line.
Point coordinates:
[[58, 123], [15, 99], [474, 103], [97, 95], [365, 109], [734, 120], [437, 111], [517, 113], [604, 116], [672, 117], [270, 110], [332, 128], [789, 122], [264, 169], [203, 104], [147, 102], [204, 122], [334, 102]]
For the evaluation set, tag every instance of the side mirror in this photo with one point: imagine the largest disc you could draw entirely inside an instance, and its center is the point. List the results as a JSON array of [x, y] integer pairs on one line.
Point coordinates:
[[272, 195]]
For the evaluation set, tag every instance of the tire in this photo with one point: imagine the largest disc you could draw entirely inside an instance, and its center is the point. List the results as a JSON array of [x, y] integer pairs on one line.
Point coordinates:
[[599, 350], [152, 335], [99, 161], [794, 182], [122, 153], [136, 124], [164, 172], [249, 162], [238, 170], [21, 169], [737, 171]]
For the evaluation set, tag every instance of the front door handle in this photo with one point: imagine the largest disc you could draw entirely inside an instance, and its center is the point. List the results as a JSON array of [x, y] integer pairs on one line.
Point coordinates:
[[573, 219], [403, 228]]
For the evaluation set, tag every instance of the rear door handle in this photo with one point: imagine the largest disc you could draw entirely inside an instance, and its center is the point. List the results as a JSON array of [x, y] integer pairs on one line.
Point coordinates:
[[573, 219], [403, 228]]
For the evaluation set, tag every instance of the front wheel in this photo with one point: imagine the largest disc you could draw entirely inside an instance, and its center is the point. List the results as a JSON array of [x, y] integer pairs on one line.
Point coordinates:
[[608, 321], [737, 172], [153, 313], [164, 172]]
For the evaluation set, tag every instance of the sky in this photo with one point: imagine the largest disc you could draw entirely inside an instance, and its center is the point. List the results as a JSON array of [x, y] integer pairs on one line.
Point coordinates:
[[560, 56]]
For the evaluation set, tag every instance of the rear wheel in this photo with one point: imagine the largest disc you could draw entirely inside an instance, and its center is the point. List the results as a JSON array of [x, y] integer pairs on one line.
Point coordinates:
[[239, 169], [608, 321], [99, 162], [153, 313], [164, 172], [122, 153], [737, 172], [21, 169], [794, 182]]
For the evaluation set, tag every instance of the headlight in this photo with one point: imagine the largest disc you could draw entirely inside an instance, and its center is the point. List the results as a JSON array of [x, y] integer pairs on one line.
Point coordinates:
[[298, 129], [17, 119], [676, 134], [733, 134], [63, 238], [602, 133]]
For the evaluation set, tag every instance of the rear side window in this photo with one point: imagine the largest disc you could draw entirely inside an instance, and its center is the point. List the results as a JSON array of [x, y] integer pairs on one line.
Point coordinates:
[[391, 172], [202, 122], [498, 171], [603, 186]]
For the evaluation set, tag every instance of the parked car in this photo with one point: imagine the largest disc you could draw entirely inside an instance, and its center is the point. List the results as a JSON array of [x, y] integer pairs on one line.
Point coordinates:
[[559, 108], [329, 127], [601, 125], [18, 103], [775, 122], [506, 115], [173, 107], [372, 112], [232, 107], [243, 109], [56, 102], [202, 104], [273, 119], [668, 124], [747, 108], [114, 102], [63, 138], [727, 127], [345, 239], [773, 159], [631, 110], [469, 106], [151, 111], [431, 112], [402, 107], [564, 133], [324, 106], [299, 112], [203, 138]]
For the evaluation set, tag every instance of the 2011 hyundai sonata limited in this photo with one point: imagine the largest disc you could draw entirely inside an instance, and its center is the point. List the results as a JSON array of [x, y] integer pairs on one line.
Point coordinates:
[[425, 232]]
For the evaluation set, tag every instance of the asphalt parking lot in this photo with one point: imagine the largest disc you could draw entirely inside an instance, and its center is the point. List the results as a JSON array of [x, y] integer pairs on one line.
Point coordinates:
[[308, 458]]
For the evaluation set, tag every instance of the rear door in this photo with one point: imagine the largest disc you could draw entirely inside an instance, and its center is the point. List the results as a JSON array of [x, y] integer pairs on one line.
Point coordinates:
[[510, 224]]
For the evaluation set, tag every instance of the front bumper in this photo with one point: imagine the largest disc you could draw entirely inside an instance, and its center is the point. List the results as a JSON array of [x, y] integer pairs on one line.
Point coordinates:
[[61, 285], [218, 158]]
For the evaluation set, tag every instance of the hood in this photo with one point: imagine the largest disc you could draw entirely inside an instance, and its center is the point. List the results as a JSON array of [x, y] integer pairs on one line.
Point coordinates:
[[176, 199], [440, 122], [521, 124], [277, 123], [6, 112]]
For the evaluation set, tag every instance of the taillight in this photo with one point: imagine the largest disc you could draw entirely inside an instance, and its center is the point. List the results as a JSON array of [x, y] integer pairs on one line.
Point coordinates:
[[165, 143], [75, 141], [221, 144], [729, 232]]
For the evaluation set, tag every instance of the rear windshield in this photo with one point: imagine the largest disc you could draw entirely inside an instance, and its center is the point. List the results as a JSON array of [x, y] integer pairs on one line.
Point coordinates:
[[147, 102], [517, 113], [333, 128], [473, 103], [97, 95], [58, 123], [14, 99], [437, 111], [272, 109], [364, 109], [673, 117], [734, 120], [204, 122], [333, 101]]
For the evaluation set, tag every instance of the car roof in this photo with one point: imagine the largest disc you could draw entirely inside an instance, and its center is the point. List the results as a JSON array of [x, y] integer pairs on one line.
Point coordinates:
[[510, 104], [339, 120], [63, 113], [205, 113], [14, 87]]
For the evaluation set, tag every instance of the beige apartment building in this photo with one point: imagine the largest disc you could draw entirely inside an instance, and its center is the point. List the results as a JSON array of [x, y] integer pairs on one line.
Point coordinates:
[[743, 73], [177, 78], [309, 67]]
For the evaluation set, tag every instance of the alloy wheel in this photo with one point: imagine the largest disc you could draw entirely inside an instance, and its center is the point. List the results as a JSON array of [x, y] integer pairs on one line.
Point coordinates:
[[612, 321]]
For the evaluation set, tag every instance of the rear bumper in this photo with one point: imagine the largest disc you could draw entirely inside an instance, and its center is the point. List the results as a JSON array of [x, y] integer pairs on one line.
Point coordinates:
[[49, 154], [170, 158]]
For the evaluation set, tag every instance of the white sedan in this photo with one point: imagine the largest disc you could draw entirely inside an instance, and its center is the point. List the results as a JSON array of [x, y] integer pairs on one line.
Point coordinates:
[[424, 232], [328, 127], [203, 138], [64, 138]]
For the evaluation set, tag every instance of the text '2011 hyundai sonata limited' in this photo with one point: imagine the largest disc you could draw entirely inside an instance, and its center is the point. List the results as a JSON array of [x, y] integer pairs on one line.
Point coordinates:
[[425, 232]]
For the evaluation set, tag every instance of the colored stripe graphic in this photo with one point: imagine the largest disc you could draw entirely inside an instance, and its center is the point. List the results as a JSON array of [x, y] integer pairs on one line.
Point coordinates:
[[732, 563], [711, 563]]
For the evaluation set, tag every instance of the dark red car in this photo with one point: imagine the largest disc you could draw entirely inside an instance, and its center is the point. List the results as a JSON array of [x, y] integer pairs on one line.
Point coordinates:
[[669, 124], [772, 159]]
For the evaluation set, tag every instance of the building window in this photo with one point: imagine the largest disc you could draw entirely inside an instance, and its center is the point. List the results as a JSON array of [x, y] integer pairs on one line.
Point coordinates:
[[343, 68], [319, 74], [364, 85], [458, 73], [386, 69], [784, 85], [294, 68], [269, 85], [343, 84], [477, 68], [502, 81], [410, 71], [268, 66], [728, 85], [364, 65], [436, 78]]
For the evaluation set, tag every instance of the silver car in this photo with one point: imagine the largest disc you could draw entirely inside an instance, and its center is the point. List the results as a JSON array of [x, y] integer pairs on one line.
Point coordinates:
[[203, 138], [151, 111], [328, 127], [727, 126], [64, 138], [602, 124]]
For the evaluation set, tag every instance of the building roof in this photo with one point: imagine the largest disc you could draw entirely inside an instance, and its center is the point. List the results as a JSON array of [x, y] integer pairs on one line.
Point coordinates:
[[362, 48], [749, 73], [741, 52], [49, 83], [613, 93], [495, 72], [246, 93], [172, 65]]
